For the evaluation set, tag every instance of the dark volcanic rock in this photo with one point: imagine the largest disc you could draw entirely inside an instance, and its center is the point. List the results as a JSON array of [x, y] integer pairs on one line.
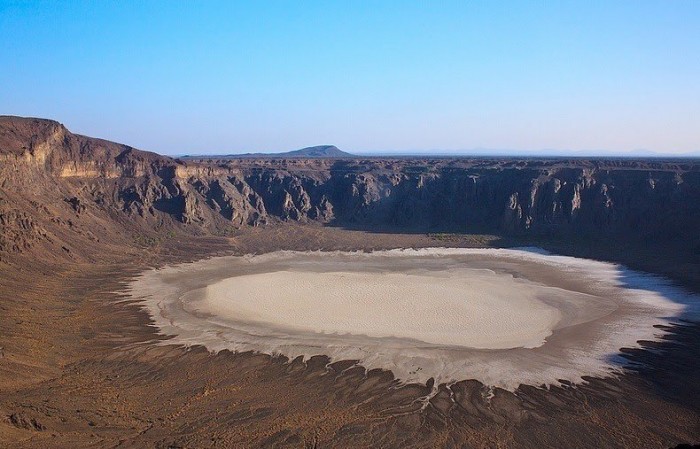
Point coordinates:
[[108, 183]]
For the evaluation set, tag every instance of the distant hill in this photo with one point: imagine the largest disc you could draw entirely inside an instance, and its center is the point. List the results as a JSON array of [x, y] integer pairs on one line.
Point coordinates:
[[318, 151]]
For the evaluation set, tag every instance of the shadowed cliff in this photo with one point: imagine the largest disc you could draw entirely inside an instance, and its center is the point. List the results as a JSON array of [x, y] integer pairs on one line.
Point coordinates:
[[59, 188]]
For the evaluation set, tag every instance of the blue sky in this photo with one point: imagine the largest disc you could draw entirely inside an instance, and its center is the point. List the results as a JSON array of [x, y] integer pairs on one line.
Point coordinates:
[[603, 77]]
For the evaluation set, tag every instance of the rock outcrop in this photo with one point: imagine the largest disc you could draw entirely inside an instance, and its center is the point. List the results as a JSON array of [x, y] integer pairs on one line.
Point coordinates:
[[55, 185]]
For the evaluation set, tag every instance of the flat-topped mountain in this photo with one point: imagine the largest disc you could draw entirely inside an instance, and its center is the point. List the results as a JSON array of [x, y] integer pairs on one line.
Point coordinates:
[[318, 151]]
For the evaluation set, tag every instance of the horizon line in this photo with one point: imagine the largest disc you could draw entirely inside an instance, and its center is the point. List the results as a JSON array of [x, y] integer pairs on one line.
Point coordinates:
[[468, 153]]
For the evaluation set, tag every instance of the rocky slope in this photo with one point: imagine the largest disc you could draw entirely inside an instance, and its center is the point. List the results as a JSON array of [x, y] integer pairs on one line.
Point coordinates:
[[63, 190], [78, 367]]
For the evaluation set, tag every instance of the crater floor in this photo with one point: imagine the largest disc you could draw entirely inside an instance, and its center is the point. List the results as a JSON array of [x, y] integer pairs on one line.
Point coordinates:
[[503, 317]]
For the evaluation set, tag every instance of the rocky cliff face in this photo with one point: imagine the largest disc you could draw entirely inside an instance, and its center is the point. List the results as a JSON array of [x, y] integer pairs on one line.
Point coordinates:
[[59, 188], [507, 196]]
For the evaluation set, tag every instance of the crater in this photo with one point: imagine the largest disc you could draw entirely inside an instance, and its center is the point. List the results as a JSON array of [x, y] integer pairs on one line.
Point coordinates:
[[501, 316]]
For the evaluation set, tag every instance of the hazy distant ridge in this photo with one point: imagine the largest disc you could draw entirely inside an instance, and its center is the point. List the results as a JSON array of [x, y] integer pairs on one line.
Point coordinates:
[[318, 151]]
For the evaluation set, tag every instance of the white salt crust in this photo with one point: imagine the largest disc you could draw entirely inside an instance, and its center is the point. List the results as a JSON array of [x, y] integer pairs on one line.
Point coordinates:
[[501, 316]]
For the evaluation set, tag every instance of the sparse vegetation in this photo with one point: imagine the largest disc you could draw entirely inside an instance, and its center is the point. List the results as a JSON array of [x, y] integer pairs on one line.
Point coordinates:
[[467, 239], [150, 240]]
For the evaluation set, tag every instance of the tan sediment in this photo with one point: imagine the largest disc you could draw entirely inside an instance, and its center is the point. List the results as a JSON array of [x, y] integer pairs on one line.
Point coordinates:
[[487, 310]]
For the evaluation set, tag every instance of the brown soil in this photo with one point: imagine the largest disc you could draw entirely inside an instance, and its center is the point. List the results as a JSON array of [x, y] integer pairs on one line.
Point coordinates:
[[79, 368]]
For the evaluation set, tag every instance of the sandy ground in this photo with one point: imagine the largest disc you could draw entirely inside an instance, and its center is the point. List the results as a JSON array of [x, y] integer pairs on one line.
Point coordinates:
[[82, 366]]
